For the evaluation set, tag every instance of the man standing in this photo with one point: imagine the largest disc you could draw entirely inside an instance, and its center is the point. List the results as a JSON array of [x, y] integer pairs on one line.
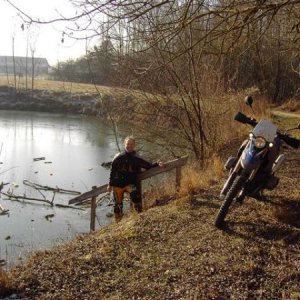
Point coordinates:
[[123, 177]]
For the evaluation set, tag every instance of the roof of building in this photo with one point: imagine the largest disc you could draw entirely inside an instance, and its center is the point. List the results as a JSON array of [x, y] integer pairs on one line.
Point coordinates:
[[21, 60]]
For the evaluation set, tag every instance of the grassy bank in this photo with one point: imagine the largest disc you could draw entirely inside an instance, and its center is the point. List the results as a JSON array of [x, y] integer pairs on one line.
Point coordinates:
[[175, 252], [52, 85], [69, 87]]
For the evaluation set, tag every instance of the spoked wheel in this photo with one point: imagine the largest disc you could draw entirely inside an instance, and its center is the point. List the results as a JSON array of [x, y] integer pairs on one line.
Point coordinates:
[[232, 193]]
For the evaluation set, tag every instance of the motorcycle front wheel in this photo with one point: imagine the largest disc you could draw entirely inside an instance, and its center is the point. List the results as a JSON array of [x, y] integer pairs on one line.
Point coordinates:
[[233, 192]]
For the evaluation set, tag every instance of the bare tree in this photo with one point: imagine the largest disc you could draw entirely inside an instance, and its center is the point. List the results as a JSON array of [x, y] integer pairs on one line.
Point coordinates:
[[200, 49]]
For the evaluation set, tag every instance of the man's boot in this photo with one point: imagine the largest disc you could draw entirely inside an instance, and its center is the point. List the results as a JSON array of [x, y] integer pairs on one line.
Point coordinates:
[[138, 207], [118, 210]]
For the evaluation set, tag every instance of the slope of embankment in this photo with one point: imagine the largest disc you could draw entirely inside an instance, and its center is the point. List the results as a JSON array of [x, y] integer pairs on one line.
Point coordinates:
[[65, 97], [175, 252]]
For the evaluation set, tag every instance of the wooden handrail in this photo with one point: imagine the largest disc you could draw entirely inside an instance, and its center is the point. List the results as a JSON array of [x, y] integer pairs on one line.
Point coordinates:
[[176, 163], [168, 166], [90, 194]]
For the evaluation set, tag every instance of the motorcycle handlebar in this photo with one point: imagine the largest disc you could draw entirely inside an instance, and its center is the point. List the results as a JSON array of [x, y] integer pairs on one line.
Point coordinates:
[[293, 142], [240, 117]]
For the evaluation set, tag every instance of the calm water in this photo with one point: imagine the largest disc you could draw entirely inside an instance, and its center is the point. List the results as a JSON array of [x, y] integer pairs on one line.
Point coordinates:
[[74, 148]]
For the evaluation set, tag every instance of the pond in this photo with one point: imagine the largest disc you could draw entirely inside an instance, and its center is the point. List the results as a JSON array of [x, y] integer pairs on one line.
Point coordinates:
[[54, 150]]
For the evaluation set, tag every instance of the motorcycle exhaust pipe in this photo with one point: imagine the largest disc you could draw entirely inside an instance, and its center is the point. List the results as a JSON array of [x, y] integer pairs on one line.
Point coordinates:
[[280, 159]]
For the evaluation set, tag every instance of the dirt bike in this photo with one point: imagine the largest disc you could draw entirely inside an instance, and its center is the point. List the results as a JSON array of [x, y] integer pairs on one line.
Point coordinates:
[[257, 160]]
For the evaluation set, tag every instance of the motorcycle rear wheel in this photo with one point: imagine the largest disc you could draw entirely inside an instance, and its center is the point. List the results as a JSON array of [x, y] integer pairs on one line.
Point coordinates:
[[232, 193]]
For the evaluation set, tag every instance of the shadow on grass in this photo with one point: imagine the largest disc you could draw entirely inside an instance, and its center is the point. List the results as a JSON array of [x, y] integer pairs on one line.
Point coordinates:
[[285, 211], [258, 232], [288, 212], [200, 202]]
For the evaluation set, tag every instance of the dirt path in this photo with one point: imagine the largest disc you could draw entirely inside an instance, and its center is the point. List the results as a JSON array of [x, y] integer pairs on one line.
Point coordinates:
[[284, 114]]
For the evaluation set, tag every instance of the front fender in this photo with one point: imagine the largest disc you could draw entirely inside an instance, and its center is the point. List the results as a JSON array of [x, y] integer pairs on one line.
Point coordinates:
[[251, 158]]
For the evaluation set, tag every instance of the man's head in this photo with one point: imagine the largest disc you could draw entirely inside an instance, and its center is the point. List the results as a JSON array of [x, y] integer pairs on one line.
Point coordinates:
[[129, 144]]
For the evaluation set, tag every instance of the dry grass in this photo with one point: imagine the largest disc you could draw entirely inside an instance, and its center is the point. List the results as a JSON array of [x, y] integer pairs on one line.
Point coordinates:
[[195, 178], [220, 124], [159, 192], [71, 87], [51, 85], [4, 283], [262, 107], [287, 120], [3, 279], [291, 105]]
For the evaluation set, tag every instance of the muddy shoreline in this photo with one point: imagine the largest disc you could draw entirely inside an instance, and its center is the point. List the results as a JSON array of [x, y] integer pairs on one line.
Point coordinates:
[[49, 101]]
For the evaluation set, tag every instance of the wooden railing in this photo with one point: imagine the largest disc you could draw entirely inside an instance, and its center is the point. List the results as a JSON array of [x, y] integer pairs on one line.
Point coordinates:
[[96, 191]]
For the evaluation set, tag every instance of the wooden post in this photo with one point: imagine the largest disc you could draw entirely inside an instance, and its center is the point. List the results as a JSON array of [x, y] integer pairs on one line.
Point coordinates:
[[178, 178], [93, 212]]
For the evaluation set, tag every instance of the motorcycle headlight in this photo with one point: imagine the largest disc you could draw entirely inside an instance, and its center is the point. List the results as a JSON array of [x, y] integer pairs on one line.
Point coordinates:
[[260, 142]]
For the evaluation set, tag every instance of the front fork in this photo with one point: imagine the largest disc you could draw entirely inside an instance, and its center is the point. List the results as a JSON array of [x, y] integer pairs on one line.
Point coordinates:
[[236, 170], [227, 185], [230, 179]]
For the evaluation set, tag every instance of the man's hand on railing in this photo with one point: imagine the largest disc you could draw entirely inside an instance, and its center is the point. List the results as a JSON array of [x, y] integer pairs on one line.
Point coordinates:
[[160, 164]]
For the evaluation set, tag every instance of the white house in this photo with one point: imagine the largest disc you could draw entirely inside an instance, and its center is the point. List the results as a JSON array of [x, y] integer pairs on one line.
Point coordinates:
[[18, 65]]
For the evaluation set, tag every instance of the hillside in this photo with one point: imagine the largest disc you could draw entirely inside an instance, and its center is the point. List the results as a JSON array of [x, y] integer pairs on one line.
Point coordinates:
[[175, 252]]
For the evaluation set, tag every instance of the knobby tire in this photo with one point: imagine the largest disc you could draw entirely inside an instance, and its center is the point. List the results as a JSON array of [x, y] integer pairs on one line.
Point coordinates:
[[232, 193]]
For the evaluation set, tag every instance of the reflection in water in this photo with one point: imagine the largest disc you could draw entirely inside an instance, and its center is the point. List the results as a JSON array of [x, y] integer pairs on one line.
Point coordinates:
[[74, 148]]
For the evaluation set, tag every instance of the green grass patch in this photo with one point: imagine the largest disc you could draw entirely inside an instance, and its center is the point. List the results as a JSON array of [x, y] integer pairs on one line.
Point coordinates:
[[286, 120]]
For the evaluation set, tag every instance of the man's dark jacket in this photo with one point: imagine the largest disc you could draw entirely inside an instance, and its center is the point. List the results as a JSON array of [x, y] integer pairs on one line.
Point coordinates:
[[125, 167]]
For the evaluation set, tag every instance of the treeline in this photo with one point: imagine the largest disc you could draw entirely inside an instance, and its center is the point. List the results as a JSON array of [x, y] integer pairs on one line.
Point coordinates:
[[223, 44], [194, 53], [98, 66]]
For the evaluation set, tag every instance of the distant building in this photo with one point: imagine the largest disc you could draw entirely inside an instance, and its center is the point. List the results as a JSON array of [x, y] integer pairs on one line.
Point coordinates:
[[8, 64]]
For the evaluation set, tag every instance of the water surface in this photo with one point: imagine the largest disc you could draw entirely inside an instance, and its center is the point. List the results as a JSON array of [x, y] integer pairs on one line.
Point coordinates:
[[74, 148]]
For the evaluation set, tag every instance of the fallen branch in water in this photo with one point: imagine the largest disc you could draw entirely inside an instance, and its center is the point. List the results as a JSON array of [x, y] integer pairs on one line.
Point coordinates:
[[2, 185], [101, 199], [48, 188], [18, 198], [106, 165], [42, 194], [68, 206], [8, 169], [2, 262], [53, 197], [4, 212], [39, 158]]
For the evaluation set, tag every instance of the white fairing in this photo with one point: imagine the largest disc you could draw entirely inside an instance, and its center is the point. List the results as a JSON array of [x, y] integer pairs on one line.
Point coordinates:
[[266, 129]]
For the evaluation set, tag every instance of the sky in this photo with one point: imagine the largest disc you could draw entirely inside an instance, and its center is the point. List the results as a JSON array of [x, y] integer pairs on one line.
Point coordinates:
[[45, 40]]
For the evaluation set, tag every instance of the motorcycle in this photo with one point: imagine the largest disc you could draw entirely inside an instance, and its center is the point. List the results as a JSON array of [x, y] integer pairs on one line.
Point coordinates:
[[258, 158]]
